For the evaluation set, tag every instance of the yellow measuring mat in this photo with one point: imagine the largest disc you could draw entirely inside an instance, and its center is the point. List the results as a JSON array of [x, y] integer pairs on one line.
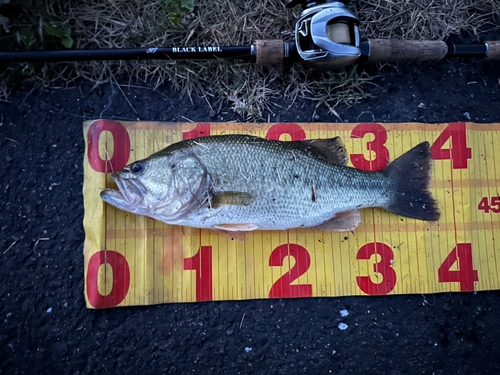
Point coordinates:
[[135, 260]]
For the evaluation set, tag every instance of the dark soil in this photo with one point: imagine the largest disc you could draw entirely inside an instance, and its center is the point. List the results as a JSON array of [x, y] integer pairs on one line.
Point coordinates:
[[46, 327]]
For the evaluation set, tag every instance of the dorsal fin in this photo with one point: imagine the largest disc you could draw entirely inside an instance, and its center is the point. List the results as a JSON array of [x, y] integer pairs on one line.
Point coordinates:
[[332, 150]]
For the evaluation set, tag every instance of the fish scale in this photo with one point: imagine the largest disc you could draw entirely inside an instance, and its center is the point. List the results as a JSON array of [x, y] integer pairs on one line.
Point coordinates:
[[241, 182], [281, 176]]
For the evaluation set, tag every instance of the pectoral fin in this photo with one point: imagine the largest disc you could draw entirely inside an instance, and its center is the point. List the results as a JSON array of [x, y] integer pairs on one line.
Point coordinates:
[[341, 222], [233, 198]]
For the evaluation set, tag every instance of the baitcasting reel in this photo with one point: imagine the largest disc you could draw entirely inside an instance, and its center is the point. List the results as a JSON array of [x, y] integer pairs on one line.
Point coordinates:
[[327, 34]]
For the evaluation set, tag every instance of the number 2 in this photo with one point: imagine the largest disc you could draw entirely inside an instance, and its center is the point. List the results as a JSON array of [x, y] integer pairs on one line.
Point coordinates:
[[294, 130], [282, 287]]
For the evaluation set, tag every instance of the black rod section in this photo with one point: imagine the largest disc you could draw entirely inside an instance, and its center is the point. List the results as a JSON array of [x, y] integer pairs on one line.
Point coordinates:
[[466, 50], [173, 53]]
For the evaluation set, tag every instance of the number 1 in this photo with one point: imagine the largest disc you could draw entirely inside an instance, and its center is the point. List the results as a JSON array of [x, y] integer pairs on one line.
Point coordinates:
[[201, 262]]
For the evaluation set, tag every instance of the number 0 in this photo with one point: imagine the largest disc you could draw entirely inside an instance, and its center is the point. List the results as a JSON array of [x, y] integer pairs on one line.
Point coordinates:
[[121, 279], [121, 143]]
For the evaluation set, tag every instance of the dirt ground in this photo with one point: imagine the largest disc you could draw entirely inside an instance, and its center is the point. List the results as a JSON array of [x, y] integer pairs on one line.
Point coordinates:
[[46, 327]]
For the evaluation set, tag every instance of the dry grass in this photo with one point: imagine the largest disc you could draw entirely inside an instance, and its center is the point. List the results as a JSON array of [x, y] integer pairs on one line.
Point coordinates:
[[248, 88], [424, 19]]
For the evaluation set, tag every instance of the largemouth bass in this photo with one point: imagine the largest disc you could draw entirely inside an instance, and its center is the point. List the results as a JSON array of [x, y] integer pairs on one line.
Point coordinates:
[[241, 183]]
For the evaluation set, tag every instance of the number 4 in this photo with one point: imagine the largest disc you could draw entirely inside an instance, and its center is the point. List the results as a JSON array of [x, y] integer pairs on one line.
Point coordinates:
[[459, 152], [465, 275]]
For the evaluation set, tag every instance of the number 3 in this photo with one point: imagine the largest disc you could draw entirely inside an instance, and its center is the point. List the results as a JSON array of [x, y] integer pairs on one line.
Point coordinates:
[[377, 145], [383, 267]]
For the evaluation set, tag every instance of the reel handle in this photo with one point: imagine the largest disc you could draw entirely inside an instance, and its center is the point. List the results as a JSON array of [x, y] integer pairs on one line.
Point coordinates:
[[493, 50], [269, 51], [386, 50]]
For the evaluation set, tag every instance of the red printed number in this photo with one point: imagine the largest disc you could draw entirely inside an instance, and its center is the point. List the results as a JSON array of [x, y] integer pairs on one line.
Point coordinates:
[[202, 130], [377, 145], [121, 146], [282, 288], [294, 130], [459, 152], [388, 279], [494, 206], [201, 262], [465, 275], [121, 279]]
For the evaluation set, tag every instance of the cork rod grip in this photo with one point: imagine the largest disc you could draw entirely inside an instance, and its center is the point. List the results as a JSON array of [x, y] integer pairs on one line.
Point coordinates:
[[385, 50], [493, 50], [270, 51]]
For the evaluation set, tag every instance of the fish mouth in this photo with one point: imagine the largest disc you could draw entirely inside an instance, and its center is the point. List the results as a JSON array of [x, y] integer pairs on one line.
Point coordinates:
[[130, 193]]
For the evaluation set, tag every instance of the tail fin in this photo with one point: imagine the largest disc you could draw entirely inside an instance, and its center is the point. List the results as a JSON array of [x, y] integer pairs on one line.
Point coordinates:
[[410, 174]]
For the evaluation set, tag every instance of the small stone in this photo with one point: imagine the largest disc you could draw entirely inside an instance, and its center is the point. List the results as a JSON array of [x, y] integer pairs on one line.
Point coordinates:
[[212, 113], [247, 349], [229, 332], [316, 117], [8, 158], [344, 313], [343, 326], [49, 310]]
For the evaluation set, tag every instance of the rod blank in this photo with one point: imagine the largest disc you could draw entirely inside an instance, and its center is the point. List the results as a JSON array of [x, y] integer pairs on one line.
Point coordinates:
[[174, 53]]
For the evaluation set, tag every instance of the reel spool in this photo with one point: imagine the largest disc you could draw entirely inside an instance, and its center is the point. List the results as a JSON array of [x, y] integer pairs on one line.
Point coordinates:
[[327, 34]]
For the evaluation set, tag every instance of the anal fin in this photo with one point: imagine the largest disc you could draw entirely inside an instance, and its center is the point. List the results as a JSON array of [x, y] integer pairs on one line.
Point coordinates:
[[234, 231], [341, 222], [245, 227]]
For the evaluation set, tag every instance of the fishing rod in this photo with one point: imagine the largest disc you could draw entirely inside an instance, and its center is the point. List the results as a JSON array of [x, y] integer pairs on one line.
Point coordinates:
[[326, 37]]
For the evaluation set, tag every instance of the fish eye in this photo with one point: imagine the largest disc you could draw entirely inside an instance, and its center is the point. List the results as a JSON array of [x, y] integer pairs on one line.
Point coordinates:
[[137, 167]]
